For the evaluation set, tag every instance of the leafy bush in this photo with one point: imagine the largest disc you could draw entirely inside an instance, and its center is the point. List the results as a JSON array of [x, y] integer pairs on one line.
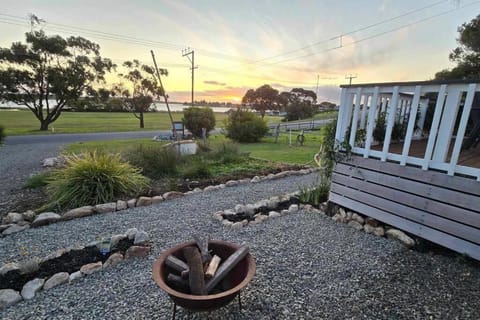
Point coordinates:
[[155, 161], [226, 153], [380, 128], [245, 126], [197, 169], [36, 181], [2, 135], [93, 178], [195, 119], [299, 111]]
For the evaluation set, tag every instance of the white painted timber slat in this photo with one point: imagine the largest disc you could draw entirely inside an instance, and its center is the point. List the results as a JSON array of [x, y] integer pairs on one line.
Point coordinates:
[[371, 121], [348, 117], [391, 120], [364, 112], [353, 127], [411, 125], [447, 125], [384, 104], [461, 128], [341, 112], [434, 128]]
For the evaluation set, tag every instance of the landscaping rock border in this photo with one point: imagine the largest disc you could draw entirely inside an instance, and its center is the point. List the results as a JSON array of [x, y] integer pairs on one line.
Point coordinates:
[[15, 222], [261, 211], [353, 219], [369, 225], [140, 248]]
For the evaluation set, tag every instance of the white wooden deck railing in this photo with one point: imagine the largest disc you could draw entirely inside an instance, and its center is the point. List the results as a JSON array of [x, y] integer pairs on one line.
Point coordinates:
[[361, 105]]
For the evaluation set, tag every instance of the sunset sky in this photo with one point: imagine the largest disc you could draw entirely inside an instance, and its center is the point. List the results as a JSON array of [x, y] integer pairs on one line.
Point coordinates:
[[244, 44]]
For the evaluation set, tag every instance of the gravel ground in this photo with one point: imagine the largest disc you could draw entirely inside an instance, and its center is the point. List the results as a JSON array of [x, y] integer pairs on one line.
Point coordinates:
[[17, 163], [308, 267]]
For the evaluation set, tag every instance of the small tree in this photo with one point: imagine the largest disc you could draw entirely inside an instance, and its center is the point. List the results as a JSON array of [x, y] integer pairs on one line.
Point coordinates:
[[195, 119], [50, 68], [144, 87], [244, 126]]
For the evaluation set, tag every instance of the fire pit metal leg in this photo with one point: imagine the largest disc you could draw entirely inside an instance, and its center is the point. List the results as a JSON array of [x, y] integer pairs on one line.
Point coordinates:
[[174, 311], [239, 302]]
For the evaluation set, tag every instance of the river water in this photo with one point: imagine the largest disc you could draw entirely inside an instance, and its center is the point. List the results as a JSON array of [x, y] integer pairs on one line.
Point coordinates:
[[159, 106]]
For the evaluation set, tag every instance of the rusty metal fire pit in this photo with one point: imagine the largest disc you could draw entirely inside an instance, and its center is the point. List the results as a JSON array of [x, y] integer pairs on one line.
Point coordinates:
[[239, 277]]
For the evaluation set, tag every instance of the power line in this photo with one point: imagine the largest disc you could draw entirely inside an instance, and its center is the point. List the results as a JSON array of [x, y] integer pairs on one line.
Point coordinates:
[[351, 32], [374, 36]]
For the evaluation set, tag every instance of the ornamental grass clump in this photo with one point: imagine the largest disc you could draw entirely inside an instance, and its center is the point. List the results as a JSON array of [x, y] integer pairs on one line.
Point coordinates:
[[155, 161], [93, 178]]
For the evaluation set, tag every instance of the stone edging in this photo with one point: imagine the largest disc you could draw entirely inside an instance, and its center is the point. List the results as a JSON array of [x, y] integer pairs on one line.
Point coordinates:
[[355, 220], [370, 225], [252, 210], [15, 222], [8, 297]]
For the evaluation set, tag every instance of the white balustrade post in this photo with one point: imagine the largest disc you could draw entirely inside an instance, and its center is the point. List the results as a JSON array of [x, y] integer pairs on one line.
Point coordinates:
[[390, 123], [372, 113], [447, 124], [411, 125]]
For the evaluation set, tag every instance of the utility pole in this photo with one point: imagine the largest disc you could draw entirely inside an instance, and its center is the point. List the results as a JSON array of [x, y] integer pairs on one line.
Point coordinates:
[[165, 96], [187, 52], [316, 92], [350, 77]]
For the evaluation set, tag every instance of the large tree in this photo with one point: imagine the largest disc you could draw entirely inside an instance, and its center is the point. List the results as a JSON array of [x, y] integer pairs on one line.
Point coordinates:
[[141, 88], [466, 55], [50, 68], [262, 99]]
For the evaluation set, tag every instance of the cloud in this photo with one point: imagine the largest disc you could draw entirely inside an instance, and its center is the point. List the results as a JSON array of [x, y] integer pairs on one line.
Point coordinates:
[[213, 82]]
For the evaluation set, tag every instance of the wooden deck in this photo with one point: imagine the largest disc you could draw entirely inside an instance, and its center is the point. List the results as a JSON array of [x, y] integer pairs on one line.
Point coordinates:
[[432, 205], [469, 158]]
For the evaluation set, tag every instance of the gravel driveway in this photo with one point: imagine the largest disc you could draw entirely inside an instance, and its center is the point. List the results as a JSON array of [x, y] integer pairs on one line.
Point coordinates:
[[308, 267], [21, 157]]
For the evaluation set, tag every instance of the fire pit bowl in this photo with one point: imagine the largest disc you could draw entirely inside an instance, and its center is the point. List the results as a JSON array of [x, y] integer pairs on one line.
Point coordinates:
[[239, 277]]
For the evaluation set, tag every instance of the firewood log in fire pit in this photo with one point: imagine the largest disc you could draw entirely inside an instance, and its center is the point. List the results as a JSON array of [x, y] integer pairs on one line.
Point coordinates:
[[228, 265], [195, 276]]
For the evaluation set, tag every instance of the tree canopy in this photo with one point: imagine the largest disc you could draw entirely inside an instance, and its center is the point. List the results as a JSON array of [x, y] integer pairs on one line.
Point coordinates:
[[195, 119], [141, 89], [262, 99], [466, 55], [50, 68], [298, 103]]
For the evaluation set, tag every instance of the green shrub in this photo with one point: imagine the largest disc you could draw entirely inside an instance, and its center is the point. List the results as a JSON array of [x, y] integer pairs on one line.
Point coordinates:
[[2, 135], [36, 181], [245, 126], [155, 161], [93, 178], [380, 128], [299, 111], [196, 169], [195, 119], [226, 153]]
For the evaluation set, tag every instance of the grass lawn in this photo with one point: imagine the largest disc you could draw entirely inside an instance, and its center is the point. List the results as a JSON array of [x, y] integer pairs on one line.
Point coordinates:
[[23, 122], [266, 149]]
